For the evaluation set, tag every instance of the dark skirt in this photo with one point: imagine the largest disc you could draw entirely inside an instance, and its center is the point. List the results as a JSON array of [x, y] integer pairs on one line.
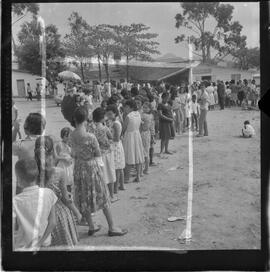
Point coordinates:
[[165, 130]]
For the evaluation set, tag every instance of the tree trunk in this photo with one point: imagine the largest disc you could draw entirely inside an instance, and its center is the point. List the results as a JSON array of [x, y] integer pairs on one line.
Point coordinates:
[[99, 69], [208, 56], [107, 70], [82, 71]]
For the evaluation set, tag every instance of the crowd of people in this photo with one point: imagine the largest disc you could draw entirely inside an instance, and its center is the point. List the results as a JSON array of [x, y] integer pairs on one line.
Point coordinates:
[[112, 134]]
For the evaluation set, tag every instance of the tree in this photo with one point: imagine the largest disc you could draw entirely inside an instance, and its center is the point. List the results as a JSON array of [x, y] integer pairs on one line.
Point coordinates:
[[247, 58], [77, 43], [104, 45], [21, 10], [28, 51], [224, 37], [134, 42]]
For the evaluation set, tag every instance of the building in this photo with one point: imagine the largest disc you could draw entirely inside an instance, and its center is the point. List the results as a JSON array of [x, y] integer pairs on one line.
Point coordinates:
[[20, 79], [216, 72]]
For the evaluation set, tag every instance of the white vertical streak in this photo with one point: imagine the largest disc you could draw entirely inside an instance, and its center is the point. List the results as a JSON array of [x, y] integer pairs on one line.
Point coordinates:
[[42, 43]]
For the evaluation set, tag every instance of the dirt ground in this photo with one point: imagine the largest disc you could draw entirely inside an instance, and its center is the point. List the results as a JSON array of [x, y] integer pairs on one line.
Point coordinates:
[[226, 189]]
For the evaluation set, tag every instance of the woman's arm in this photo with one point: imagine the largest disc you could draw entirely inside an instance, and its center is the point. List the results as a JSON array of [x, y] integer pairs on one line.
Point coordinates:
[[117, 132], [164, 117], [109, 134], [15, 130], [125, 125]]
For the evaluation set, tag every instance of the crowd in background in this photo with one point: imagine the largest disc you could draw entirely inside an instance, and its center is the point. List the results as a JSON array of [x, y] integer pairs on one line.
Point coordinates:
[[112, 135]]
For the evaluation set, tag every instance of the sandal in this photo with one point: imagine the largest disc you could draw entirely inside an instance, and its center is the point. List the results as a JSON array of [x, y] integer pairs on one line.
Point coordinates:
[[91, 232], [117, 233]]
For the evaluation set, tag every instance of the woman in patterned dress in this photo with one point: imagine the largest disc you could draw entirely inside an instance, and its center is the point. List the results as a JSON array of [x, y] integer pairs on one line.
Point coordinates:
[[147, 129], [119, 155], [91, 192], [104, 137], [65, 232]]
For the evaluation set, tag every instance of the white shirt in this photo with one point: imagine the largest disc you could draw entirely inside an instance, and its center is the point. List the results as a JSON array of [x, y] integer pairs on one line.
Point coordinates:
[[249, 131], [32, 208], [194, 108], [60, 89]]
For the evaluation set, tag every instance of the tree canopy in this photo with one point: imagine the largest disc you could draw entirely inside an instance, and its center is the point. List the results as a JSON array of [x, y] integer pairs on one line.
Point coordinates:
[[223, 37], [28, 51]]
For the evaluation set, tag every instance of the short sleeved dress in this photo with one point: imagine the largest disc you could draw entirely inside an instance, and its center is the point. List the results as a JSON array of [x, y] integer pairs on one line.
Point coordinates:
[[106, 152], [90, 189], [119, 155], [146, 133], [132, 142], [165, 127], [65, 232]]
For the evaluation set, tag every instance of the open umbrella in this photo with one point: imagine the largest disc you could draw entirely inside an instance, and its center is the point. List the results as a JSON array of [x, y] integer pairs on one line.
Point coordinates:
[[68, 75]]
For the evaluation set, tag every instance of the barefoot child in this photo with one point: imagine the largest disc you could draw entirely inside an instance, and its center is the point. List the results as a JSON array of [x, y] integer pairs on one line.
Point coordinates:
[[26, 206], [119, 155]]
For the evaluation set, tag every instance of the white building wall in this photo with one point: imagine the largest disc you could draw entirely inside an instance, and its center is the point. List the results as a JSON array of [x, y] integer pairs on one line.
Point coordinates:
[[220, 73], [28, 78]]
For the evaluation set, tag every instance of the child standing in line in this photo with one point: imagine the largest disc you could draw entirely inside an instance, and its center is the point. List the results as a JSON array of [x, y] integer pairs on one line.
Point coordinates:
[[15, 115], [104, 138], [195, 112], [248, 131], [26, 205], [65, 161], [65, 233], [132, 141], [119, 155], [146, 129]]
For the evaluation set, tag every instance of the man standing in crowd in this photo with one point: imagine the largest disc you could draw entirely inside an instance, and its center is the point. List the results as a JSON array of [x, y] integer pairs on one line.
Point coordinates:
[[221, 94], [29, 92], [203, 100]]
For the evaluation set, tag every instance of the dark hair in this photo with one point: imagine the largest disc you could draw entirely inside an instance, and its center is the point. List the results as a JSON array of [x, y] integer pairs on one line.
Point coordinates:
[[65, 132], [35, 123], [104, 103], [194, 96], [27, 170], [164, 95], [113, 108], [112, 100], [134, 91], [98, 114], [80, 115], [43, 145], [246, 122], [132, 104]]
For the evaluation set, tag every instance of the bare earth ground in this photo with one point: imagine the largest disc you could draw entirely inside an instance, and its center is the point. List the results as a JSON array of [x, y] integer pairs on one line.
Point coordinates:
[[226, 195]]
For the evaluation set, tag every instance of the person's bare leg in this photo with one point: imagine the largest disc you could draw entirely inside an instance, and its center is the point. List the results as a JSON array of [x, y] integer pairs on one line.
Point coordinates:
[[146, 167], [127, 172], [89, 220], [121, 179], [166, 147], [138, 172], [162, 145], [111, 187], [116, 184]]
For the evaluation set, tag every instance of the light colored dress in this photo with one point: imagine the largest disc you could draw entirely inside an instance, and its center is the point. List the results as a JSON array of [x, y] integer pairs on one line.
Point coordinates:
[[90, 189], [146, 129], [106, 150], [65, 151], [210, 90], [132, 142], [119, 155]]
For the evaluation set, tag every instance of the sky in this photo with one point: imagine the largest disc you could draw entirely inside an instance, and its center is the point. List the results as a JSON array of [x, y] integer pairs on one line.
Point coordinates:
[[158, 16]]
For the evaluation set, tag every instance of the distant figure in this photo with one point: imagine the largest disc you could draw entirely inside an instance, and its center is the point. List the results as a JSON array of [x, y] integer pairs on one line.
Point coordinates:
[[248, 131], [221, 94], [38, 91], [29, 92]]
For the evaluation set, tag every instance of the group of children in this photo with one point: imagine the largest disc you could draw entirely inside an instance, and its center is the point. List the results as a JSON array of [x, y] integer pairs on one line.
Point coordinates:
[[61, 184]]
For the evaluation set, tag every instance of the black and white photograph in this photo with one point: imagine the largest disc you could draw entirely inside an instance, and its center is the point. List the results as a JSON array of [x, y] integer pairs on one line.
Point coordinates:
[[136, 126]]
